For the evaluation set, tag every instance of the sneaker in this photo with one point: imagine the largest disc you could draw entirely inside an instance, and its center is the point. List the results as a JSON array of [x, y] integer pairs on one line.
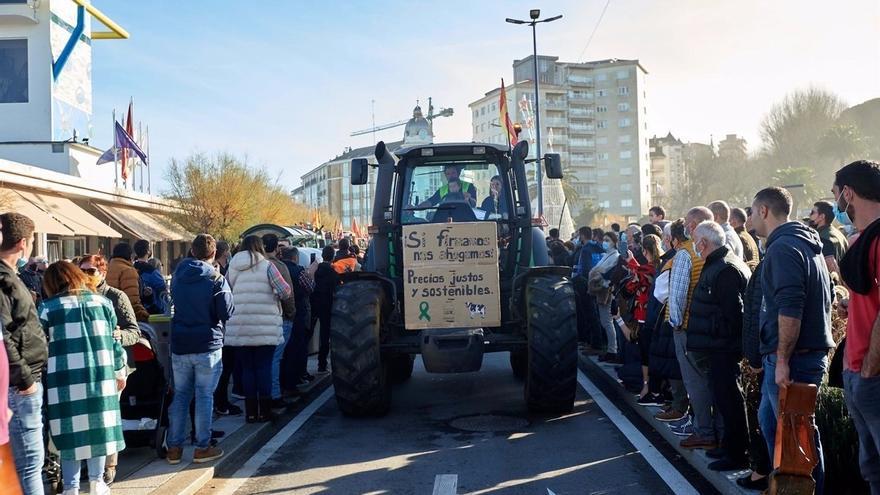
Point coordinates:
[[222, 410], [207, 454], [98, 488], [236, 396], [650, 399], [697, 442], [109, 474], [670, 415], [173, 455], [234, 410], [685, 430]]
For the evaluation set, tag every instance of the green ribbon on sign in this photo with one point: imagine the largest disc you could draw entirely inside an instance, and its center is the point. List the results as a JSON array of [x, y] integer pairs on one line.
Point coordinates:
[[423, 311]]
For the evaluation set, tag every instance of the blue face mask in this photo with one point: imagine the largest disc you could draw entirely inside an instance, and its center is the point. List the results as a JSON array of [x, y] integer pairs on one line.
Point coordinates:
[[606, 245], [841, 216]]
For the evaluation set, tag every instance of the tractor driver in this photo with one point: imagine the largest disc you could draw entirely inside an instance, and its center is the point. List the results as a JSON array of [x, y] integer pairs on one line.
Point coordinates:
[[467, 190]]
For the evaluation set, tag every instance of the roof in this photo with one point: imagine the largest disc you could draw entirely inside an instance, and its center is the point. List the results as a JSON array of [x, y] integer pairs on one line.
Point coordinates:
[[498, 147], [365, 151]]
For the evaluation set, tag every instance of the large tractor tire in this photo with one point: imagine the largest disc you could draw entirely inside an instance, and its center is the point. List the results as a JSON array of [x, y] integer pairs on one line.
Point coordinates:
[[360, 377], [519, 364], [401, 367], [551, 375]]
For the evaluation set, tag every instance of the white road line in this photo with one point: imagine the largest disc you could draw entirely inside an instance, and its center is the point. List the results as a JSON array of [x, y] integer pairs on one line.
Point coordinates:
[[445, 484], [250, 467], [677, 483]]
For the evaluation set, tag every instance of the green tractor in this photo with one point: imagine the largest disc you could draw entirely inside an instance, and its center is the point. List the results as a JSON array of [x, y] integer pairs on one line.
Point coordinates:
[[455, 268]]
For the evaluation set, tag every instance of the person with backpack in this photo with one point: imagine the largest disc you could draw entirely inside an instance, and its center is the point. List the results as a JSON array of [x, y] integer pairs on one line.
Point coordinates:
[[294, 371], [153, 290]]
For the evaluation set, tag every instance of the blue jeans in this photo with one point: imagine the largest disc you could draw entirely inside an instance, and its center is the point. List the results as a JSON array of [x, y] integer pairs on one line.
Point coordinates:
[[255, 365], [286, 329], [864, 408], [26, 438], [195, 376], [70, 471], [809, 367]]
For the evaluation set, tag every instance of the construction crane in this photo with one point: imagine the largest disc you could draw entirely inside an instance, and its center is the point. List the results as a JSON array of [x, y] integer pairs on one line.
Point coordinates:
[[444, 112]]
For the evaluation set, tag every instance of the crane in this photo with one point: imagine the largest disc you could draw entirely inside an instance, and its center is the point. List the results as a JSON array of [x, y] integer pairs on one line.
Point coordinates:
[[444, 112]]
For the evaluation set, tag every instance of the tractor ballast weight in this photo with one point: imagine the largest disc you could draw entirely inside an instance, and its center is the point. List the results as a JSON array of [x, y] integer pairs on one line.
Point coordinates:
[[418, 294]]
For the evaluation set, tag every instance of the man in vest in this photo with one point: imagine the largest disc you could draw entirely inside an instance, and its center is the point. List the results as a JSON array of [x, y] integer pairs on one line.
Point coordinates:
[[715, 332], [452, 173], [686, 269]]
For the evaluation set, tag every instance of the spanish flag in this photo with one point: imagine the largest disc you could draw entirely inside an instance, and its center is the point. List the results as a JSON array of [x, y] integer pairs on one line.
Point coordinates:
[[505, 117]]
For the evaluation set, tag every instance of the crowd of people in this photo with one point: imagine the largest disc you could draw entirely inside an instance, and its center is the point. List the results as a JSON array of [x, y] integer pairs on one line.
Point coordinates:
[[241, 317], [709, 315]]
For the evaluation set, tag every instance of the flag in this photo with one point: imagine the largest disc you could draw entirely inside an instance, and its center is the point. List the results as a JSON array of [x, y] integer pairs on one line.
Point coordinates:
[[124, 141], [129, 129], [505, 117], [355, 229]]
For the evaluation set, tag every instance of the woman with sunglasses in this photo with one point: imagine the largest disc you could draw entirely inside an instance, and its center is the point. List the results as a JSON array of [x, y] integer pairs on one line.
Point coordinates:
[[126, 332]]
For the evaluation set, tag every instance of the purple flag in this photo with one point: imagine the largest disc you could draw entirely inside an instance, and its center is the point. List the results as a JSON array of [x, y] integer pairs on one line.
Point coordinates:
[[123, 141]]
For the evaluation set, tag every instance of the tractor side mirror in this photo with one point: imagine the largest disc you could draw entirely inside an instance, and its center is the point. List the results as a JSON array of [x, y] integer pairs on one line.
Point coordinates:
[[360, 171], [553, 165]]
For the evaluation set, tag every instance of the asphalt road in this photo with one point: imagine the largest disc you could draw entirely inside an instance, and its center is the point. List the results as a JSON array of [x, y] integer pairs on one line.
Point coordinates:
[[429, 432]]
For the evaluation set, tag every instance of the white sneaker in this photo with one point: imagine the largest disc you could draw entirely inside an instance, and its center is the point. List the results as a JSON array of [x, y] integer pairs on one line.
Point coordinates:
[[71, 491], [98, 488]]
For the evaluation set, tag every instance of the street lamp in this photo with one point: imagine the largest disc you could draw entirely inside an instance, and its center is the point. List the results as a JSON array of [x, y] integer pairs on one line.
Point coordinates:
[[534, 14]]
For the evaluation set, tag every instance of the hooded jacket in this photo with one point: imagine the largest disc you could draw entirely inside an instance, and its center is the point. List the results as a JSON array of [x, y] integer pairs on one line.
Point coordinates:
[[152, 278], [23, 334], [796, 284], [202, 303], [122, 275]]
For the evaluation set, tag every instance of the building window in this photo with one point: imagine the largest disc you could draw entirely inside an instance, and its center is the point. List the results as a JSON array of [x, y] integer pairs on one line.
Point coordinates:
[[601, 108], [605, 204], [626, 187], [602, 189], [602, 124], [602, 140], [602, 156], [623, 90], [624, 154], [493, 107], [623, 107], [625, 138], [14, 67], [483, 111], [622, 74], [626, 171], [624, 123], [601, 77], [601, 92], [626, 203]]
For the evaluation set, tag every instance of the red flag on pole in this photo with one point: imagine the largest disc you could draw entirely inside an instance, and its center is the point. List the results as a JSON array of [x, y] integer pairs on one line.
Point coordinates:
[[505, 117]]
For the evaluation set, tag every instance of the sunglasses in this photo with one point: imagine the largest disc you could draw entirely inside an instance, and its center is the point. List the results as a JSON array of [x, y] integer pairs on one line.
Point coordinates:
[[90, 271]]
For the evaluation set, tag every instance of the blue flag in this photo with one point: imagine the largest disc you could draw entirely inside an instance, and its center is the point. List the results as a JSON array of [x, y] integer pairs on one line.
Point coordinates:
[[123, 141]]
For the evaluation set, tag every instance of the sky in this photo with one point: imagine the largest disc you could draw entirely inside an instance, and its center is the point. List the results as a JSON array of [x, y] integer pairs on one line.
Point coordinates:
[[284, 83]]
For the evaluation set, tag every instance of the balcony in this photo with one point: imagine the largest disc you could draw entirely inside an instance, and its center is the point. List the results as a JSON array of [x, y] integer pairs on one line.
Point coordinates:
[[577, 96], [554, 103], [554, 122], [586, 82], [581, 144], [576, 128]]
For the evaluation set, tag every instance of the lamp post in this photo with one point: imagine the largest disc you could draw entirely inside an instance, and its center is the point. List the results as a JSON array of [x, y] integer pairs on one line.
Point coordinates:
[[534, 15]]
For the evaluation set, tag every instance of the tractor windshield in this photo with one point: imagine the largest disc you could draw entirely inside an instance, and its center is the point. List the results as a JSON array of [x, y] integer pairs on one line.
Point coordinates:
[[466, 190]]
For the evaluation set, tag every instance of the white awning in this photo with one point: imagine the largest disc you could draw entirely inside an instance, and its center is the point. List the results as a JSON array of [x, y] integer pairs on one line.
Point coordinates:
[[68, 213], [144, 225], [44, 223]]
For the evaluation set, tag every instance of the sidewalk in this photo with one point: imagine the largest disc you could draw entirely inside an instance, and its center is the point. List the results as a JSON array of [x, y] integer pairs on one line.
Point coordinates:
[[141, 472], [724, 482]]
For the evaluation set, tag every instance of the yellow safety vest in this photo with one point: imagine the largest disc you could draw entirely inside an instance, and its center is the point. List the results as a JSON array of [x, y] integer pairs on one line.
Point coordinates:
[[444, 189]]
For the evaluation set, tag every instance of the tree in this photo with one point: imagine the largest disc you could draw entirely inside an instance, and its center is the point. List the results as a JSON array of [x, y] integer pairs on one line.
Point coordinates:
[[223, 196], [801, 183], [588, 214]]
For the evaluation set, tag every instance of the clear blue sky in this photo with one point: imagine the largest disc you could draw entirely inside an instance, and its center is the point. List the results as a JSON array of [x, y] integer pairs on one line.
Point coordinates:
[[285, 82]]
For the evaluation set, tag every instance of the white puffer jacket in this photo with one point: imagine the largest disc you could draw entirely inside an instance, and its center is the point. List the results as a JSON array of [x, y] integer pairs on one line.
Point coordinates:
[[257, 317]]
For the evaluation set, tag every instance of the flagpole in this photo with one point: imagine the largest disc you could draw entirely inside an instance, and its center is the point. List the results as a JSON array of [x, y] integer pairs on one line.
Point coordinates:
[[149, 172], [140, 164], [115, 161]]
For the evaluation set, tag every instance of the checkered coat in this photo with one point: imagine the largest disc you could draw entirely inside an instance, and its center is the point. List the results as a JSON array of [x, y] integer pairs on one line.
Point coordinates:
[[82, 405]]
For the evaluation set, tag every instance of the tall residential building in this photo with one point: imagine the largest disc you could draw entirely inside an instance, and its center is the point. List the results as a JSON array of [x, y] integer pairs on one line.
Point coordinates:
[[669, 169], [733, 148], [594, 115]]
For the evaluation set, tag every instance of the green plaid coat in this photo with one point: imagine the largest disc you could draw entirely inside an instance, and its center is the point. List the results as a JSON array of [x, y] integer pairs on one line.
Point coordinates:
[[82, 406]]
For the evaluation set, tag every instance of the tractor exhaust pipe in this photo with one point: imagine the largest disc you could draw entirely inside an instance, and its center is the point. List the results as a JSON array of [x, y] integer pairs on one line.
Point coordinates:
[[381, 202]]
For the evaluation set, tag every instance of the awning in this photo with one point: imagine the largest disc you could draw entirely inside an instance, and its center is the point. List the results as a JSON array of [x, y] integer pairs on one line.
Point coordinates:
[[68, 213], [44, 223], [144, 225]]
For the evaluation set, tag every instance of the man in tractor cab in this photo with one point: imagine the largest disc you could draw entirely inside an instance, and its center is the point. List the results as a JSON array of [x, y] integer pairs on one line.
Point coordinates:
[[452, 173]]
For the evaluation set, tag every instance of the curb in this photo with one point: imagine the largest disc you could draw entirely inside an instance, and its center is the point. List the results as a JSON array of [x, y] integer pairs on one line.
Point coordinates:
[[238, 447], [724, 482]]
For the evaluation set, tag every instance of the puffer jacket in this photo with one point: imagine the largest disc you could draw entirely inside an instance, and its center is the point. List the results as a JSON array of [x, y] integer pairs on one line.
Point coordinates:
[[751, 333], [257, 317], [122, 275]]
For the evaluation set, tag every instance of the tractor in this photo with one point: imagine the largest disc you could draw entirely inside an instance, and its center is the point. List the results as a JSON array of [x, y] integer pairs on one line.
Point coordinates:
[[450, 277]]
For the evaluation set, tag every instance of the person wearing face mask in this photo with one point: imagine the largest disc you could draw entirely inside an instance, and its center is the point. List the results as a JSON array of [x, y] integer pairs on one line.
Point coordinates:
[[599, 286], [127, 332], [27, 350], [795, 320], [857, 189]]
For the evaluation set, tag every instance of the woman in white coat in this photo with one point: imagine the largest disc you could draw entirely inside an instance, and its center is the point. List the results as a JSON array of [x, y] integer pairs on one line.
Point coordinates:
[[604, 297], [255, 327]]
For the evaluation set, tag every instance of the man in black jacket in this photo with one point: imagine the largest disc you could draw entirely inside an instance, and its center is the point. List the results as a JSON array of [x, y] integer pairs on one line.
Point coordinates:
[[716, 329], [27, 349], [795, 312]]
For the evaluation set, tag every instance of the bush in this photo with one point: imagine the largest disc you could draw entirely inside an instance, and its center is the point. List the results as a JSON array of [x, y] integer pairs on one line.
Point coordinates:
[[840, 444]]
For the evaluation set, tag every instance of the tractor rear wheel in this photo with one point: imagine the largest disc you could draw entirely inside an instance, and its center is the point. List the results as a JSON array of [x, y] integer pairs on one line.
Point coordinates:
[[360, 376], [551, 374]]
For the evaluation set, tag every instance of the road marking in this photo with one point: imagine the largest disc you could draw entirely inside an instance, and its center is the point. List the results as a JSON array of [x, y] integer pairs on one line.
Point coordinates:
[[250, 467], [445, 484], [676, 482]]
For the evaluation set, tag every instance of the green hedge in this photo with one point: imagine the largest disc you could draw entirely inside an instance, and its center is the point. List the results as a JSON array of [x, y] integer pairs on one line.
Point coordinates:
[[840, 444]]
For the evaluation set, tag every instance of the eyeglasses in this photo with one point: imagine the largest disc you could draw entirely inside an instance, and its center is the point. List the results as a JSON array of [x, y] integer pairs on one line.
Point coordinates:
[[90, 271]]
